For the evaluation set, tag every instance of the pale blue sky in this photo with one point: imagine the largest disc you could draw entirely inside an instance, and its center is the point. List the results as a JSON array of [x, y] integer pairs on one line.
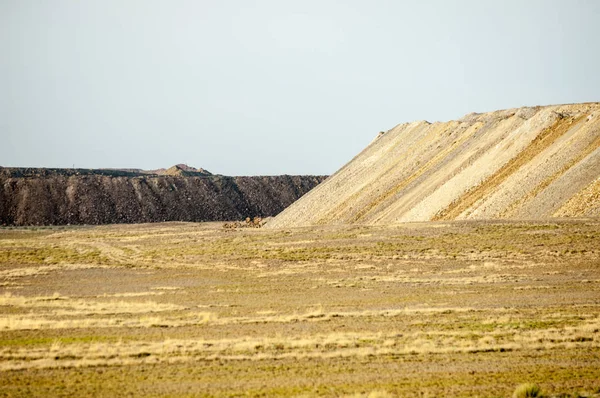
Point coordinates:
[[271, 87]]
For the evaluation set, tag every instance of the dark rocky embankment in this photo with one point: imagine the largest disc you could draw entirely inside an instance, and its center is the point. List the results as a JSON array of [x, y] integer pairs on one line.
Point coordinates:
[[60, 197]]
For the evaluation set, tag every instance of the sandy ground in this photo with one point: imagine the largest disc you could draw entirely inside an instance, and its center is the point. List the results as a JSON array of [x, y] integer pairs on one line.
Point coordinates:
[[460, 308]]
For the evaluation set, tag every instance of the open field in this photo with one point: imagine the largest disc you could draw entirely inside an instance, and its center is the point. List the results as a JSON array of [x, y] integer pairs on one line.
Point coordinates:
[[462, 308]]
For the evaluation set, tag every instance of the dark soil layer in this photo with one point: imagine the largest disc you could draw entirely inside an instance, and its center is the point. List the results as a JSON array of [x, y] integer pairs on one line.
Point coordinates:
[[54, 197]]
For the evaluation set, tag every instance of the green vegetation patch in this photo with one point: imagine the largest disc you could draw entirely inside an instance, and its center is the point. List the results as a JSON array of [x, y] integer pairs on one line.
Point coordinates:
[[50, 255]]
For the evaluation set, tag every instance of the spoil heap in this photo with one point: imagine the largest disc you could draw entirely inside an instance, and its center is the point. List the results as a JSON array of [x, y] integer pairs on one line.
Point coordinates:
[[34, 196], [525, 163]]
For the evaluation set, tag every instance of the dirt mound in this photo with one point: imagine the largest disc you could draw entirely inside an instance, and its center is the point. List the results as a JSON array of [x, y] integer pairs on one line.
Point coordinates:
[[183, 170], [64, 196], [525, 163]]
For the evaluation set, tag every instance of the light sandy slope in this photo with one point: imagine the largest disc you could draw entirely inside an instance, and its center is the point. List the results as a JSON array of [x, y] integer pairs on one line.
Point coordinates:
[[521, 163]]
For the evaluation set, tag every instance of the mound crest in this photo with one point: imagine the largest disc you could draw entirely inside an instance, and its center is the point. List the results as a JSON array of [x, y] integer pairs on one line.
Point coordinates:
[[525, 163], [183, 170]]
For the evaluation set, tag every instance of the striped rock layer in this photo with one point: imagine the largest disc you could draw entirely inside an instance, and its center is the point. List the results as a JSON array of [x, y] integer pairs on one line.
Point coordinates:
[[526, 163]]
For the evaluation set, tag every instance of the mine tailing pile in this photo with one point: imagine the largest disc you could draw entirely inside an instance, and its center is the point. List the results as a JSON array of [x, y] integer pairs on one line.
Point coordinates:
[[30, 196], [525, 163]]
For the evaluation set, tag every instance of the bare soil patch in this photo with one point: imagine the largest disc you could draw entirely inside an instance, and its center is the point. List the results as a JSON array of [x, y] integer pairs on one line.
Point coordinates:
[[420, 309]]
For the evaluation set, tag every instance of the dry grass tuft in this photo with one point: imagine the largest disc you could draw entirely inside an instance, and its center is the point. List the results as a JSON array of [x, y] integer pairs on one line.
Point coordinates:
[[527, 390]]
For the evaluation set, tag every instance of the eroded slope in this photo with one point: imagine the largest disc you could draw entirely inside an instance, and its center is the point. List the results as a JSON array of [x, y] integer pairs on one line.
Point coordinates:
[[525, 163], [88, 198]]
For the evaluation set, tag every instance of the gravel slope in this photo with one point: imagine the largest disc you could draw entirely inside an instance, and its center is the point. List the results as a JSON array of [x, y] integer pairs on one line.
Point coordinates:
[[523, 163], [58, 199]]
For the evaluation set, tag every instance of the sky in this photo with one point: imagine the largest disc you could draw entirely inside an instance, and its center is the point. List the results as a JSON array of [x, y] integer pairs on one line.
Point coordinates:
[[271, 87]]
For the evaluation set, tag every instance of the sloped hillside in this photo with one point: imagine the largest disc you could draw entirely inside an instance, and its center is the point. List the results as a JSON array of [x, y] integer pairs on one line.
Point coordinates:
[[58, 197], [526, 163]]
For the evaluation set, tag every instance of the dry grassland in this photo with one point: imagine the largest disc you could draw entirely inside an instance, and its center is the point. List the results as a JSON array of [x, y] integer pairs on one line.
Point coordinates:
[[422, 309]]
